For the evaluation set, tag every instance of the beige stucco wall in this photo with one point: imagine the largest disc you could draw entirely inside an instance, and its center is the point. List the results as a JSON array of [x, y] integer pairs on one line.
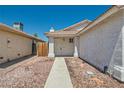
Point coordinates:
[[79, 27], [63, 47], [18, 44], [97, 45]]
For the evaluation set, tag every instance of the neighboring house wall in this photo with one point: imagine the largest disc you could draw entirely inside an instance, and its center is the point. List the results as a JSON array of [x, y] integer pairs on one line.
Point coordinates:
[[63, 47], [98, 43], [13, 46]]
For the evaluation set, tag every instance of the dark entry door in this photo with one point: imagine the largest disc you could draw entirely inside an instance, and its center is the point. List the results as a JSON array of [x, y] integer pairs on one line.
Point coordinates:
[[34, 48]]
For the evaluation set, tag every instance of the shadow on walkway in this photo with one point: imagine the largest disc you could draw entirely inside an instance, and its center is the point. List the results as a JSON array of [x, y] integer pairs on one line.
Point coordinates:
[[7, 64]]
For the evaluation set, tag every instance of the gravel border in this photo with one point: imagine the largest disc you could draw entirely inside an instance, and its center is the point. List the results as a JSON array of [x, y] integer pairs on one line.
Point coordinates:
[[84, 75], [30, 74]]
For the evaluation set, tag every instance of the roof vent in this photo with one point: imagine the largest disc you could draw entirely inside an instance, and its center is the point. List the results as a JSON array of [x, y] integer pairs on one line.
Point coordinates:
[[52, 29], [18, 26]]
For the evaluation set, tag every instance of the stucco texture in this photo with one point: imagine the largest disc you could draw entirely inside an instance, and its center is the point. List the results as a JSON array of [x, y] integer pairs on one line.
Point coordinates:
[[13, 46], [63, 47], [98, 43]]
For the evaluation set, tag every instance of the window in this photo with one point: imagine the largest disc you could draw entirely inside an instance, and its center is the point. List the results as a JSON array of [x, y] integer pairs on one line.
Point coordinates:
[[70, 40]]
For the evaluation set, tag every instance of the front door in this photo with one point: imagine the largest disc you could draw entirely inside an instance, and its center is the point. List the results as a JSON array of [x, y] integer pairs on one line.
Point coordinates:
[[34, 48]]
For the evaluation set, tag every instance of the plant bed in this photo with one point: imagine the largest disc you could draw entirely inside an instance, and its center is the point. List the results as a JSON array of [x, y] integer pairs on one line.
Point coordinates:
[[84, 75]]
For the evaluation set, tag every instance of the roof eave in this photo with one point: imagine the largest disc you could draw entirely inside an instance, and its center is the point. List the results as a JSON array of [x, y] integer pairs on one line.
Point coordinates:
[[84, 21], [60, 35], [98, 20], [12, 30]]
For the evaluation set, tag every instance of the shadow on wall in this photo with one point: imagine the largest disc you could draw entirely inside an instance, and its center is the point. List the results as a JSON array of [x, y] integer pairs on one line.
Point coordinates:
[[7, 64]]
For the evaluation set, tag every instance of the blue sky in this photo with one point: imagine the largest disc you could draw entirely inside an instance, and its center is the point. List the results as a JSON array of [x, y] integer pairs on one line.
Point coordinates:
[[39, 19]]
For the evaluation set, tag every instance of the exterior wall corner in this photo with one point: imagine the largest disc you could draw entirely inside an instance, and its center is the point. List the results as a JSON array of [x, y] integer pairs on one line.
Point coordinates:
[[51, 47], [76, 43]]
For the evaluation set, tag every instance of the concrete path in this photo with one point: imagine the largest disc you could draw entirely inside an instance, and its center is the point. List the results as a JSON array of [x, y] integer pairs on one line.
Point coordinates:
[[59, 76]]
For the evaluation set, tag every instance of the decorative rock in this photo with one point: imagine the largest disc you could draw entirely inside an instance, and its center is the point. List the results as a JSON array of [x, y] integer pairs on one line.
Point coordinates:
[[89, 74]]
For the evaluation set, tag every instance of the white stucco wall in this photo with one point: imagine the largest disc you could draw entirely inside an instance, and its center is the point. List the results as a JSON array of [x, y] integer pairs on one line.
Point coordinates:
[[63, 47], [116, 66], [51, 47], [18, 44], [97, 45]]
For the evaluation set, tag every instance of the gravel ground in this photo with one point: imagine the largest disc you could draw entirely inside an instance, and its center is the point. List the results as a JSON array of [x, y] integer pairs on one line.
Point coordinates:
[[84, 75], [32, 74]]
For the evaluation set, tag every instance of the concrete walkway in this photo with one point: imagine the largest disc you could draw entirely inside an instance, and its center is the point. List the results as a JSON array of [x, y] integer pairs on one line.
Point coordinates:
[[59, 76]]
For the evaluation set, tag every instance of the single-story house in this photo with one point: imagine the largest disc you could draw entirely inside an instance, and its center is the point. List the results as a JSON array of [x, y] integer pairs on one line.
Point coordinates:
[[14, 43], [99, 42]]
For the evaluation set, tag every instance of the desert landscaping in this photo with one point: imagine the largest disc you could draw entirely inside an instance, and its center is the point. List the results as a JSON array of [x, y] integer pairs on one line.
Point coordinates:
[[26, 74], [33, 73], [88, 53], [84, 75]]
